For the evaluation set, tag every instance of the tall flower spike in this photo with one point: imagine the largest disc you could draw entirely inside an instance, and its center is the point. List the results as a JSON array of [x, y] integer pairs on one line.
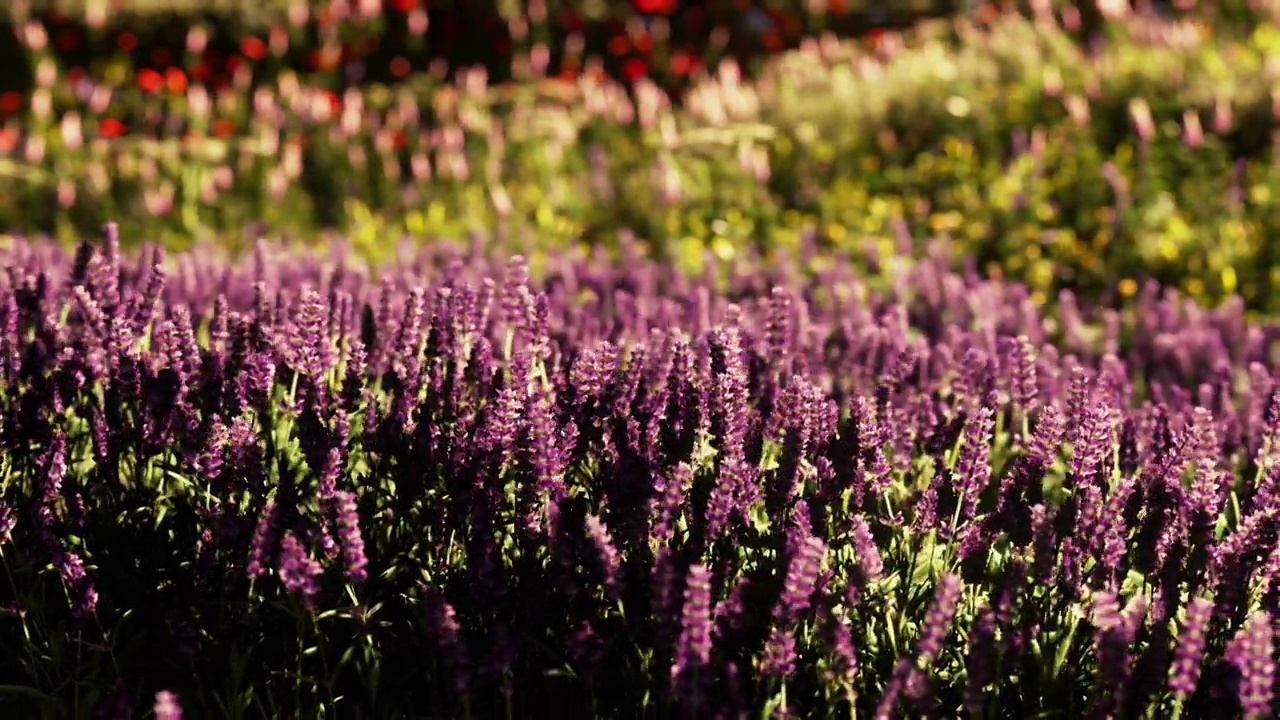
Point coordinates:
[[937, 621], [297, 570], [693, 650], [1189, 655], [349, 537], [1252, 653], [606, 555]]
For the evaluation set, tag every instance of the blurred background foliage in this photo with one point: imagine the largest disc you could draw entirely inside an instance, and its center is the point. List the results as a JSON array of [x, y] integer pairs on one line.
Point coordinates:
[[1087, 144]]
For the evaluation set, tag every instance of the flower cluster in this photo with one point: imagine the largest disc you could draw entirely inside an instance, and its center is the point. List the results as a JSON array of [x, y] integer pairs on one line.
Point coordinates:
[[622, 486]]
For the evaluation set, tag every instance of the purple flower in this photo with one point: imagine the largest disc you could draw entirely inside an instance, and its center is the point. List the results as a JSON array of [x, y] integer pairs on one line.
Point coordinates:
[[801, 576], [1019, 358], [693, 649], [586, 647], [779, 657], [730, 614], [298, 572], [980, 662], [167, 706], [1252, 655], [1114, 633], [1189, 654], [837, 638], [937, 621], [8, 519], [54, 463], [348, 524], [263, 546], [870, 564], [665, 507], [84, 596], [606, 555], [443, 626], [973, 468]]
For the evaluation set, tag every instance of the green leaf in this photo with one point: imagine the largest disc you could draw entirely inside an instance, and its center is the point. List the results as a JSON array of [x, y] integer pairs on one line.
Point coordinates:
[[48, 707]]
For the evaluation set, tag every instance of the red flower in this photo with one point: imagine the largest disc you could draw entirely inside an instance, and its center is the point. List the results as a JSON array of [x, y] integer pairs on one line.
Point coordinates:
[[149, 80], [176, 80], [619, 45], [110, 128], [683, 63], [634, 69], [405, 6], [570, 21], [10, 102], [657, 7], [127, 41], [253, 47], [66, 40]]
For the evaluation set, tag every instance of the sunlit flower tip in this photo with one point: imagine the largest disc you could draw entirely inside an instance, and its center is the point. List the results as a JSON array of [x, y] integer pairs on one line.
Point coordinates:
[[167, 706]]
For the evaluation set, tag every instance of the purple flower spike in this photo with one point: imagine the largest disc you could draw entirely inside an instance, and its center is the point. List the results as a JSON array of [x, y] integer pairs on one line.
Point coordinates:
[[167, 706], [1252, 654], [1187, 658], [693, 650], [348, 522], [937, 622], [606, 555], [297, 570]]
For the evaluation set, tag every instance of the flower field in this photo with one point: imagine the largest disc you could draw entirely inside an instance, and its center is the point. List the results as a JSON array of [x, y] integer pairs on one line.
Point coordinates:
[[927, 374], [284, 487]]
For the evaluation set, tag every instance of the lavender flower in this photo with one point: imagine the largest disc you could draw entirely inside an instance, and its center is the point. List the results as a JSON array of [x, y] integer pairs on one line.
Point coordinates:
[[8, 520], [167, 706], [298, 572], [348, 523], [870, 564], [1252, 653], [1189, 654], [693, 650], [442, 624], [606, 555], [937, 621], [980, 661]]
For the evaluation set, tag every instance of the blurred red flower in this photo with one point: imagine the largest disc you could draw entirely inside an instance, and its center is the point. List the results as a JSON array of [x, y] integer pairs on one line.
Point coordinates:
[[110, 128], [253, 47], [634, 69], [405, 6], [149, 80], [657, 7], [683, 62], [127, 41], [67, 39], [176, 80], [8, 140], [570, 21], [10, 102], [223, 128]]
